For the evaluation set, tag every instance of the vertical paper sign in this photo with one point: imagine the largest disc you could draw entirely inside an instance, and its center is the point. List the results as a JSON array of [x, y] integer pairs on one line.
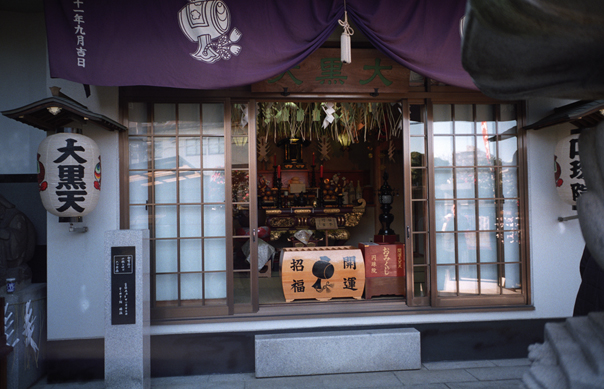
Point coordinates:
[[123, 285]]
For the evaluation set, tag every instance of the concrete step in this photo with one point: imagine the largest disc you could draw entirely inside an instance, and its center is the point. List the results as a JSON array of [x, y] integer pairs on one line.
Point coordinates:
[[354, 351]]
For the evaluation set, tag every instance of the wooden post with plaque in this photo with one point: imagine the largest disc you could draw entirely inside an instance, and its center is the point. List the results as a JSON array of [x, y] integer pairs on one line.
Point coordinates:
[[322, 273]]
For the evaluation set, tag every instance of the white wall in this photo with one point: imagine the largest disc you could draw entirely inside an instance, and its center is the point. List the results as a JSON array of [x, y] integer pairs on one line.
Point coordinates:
[[75, 265]]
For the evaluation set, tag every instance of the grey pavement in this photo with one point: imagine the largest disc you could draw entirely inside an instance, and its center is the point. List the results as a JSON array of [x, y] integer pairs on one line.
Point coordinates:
[[495, 374]]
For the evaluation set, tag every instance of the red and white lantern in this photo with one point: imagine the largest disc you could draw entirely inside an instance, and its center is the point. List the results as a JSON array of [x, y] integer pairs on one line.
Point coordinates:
[[69, 174], [568, 174]]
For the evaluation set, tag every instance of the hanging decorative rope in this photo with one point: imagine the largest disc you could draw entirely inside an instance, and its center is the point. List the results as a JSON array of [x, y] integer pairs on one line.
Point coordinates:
[[345, 54]]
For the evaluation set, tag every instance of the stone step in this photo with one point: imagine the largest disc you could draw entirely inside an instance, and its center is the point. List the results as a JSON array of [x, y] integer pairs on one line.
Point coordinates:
[[354, 351]]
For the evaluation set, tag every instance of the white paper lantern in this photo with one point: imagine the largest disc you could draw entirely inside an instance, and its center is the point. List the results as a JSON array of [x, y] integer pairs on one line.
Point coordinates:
[[568, 174], [69, 174]]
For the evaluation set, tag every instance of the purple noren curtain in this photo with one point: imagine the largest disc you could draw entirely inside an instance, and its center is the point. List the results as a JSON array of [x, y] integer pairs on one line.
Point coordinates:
[[213, 44]]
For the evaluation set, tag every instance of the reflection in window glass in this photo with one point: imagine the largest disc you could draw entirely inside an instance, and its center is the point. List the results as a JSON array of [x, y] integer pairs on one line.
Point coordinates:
[[188, 119], [443, 151], [442, 119], [464, 120], [213, 119], [164, 116], [137, 119]]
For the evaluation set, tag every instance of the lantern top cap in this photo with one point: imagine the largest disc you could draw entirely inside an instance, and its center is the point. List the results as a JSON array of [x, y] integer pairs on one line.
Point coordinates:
[[64, 111]]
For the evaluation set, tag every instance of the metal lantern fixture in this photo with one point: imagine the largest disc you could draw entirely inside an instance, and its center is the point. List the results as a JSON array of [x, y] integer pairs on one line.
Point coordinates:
[[69, 174], [385, 198], [569, 177]]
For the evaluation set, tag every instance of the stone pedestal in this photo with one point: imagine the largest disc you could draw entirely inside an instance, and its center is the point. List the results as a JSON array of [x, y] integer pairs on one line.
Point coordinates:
[[127, 309], [27, 312], [572, 355]]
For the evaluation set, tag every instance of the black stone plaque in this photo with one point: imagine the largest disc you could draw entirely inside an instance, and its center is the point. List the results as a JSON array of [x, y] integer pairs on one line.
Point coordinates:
[[123, 285]]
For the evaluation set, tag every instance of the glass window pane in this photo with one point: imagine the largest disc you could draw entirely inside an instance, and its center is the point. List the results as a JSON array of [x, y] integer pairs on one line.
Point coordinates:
[[489, 279], [190, 221], [486, 151], [191, 286], [445, 215], [488, 246], [213, 119], [487, 215], [166, 256], [213, 152], [508, 150], [214, 220], [137, 119], [445, 248], [139, 150], [418, 179], [508, 116], [486, 182], [215, 285], [465, 179], [443, 183], [485, 119], [466, 247], [512, 276], [466, 215], [509, 178], [139, 187], [417, 147], [189, 153], [442, 119], [189, 187], [166, 287], [241, 185], [443, 151], [420, 277], [188, 119], [420, 216], [510, 215], [420, 248], [190, 255], [242, 290], [511, 246], [139, 218], [165, 221], [239, 151], [468, 279], [213, 186], [214, 254], [464, 121], [446, 281], [416, 128], [164, 116], [165, 153], [165, 187], [465, 150]]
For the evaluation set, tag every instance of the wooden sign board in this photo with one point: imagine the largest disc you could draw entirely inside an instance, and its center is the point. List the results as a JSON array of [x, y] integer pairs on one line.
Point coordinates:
[[326, 223], [322, 273], [324, 72]]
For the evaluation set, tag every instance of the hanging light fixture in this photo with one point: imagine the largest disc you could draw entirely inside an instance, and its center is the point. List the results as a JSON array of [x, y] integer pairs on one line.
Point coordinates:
[[345, 53]]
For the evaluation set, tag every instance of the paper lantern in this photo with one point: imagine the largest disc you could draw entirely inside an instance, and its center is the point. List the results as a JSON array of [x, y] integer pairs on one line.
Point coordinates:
[[69, 174], [568, 174]]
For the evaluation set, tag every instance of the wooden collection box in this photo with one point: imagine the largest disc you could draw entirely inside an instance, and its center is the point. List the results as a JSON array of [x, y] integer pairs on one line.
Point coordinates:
[[384, 269], [322, 273]]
